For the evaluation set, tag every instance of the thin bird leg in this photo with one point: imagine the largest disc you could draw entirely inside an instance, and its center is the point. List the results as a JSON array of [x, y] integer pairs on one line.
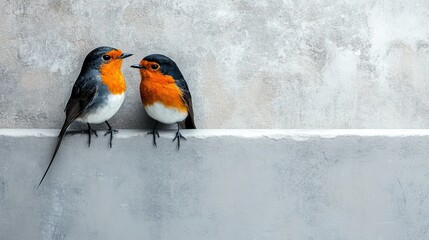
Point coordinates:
[[110, 131], [154, 132], [88, 131], [178, 136]]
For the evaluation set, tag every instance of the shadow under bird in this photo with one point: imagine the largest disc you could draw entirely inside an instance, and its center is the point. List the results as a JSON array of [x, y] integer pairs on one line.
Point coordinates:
[[165, 94], [97, 94]]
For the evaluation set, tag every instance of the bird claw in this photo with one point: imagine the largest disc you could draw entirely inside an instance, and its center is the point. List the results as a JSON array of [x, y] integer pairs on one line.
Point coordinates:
[[154, 133], [178, 137], [94, 132], [111, 132], [89, 132]]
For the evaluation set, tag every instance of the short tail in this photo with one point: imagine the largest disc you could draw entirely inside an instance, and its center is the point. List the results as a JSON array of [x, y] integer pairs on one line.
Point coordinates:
[[189, 123], [60, 139]]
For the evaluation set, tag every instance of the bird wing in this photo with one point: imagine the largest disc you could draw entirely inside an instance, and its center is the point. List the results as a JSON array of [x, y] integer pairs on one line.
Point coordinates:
[[187, 99], [82, 94]]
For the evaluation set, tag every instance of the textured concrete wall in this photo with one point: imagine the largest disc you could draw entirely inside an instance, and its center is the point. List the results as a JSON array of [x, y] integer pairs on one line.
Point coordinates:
[[249, 64], [221, 185]]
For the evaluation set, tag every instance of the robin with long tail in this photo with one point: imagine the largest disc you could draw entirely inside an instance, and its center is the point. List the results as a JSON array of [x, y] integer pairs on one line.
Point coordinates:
[[165, 94], [97, 94]]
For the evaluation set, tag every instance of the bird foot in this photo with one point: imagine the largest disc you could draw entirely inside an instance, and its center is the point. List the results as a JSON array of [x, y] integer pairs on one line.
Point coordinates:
[[178, 137], [154, 133], [111, 132], [87, 131]]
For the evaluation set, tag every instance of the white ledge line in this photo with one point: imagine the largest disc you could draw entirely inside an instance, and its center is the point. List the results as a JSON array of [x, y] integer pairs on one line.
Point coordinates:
[[296, 134]]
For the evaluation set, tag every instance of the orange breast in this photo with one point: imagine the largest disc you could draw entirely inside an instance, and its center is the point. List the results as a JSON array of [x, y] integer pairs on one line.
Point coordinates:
[[156, 87], [112, 77]]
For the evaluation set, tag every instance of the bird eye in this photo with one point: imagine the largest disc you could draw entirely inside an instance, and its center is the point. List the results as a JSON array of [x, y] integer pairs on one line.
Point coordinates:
[[106, 57], [154, 66]]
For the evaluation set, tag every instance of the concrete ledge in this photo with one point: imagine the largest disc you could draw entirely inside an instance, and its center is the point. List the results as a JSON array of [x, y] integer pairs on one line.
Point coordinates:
[[222, 184]]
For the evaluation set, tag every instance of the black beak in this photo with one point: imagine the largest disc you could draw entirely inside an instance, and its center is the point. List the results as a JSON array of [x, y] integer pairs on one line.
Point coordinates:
[[125, 55], [137, 66]]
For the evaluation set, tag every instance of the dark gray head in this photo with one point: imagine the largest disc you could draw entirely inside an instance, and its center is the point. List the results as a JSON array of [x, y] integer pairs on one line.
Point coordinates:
[[102, 55], [159, 62]]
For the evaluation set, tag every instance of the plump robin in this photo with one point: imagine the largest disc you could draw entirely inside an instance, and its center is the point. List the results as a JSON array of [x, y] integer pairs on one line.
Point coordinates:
[[165, 94], [97, 94]]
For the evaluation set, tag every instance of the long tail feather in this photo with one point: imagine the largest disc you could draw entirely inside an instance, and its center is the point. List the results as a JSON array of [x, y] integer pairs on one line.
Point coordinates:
[[60, 139]]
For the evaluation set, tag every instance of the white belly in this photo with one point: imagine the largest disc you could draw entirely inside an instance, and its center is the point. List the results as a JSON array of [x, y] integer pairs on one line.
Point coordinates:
[[104, 113], [161, 113]]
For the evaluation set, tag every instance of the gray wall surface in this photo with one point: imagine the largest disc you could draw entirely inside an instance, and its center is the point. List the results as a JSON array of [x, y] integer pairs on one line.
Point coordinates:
[[241, 184], [249, 64]]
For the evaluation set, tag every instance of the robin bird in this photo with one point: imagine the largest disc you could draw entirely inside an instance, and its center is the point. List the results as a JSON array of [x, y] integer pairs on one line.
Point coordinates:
[[165, 94], [97, 94]]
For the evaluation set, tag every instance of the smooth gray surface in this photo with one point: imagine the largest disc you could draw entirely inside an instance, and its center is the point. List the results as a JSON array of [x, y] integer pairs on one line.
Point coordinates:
[[248, 184], [249, 64]]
